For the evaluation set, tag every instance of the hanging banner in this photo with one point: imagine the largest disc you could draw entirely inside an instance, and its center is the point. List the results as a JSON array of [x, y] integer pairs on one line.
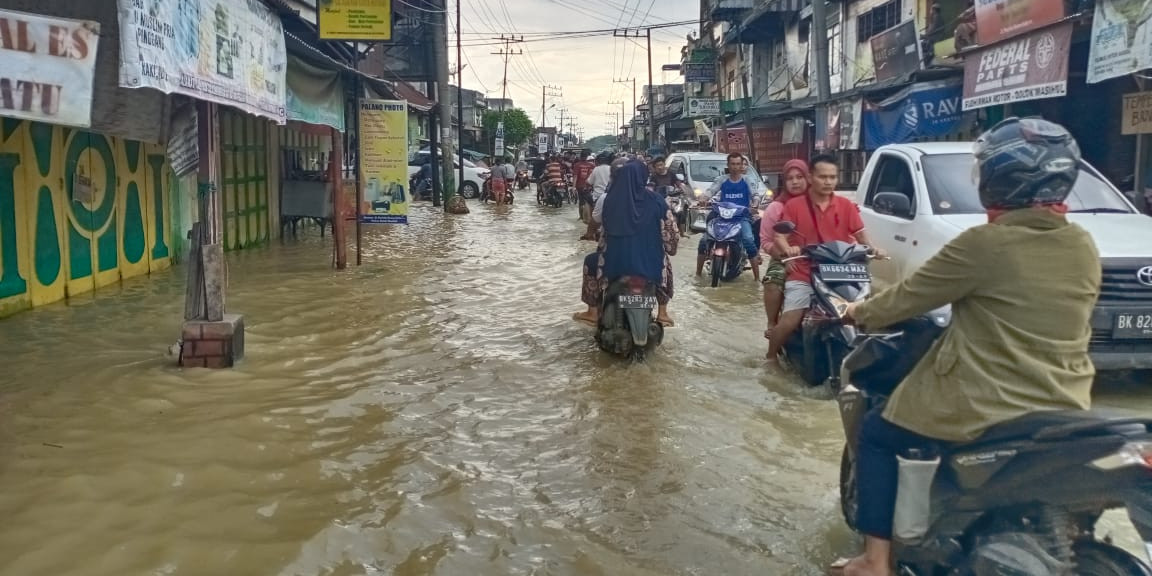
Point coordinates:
[[184, 139], [49, 66], [369, 21], [1026, 68], [925, 110], [1121, 39], [896, 51], [315, 95], [498, 147], [997, 20], [222, 51], [843, 129], [542, 143], [1137, 114], [384, 161]]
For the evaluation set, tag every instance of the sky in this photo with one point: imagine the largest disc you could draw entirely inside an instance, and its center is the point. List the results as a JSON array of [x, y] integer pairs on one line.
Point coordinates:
[[582, 68]]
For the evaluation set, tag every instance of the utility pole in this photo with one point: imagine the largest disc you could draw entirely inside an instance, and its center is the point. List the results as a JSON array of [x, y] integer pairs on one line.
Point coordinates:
[[622, 115], [439, 23], [820, 44], [545, 92], [560, 126], [748, 110], [459, 85], [633, 82], [635, 33], [506, 52]]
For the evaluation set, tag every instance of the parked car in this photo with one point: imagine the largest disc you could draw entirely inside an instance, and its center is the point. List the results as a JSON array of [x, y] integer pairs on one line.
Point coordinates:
[[474, 176], [930, 196], [700, 169]]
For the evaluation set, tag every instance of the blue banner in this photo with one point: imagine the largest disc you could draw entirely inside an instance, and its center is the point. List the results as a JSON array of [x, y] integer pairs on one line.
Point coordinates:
[[929, 109]]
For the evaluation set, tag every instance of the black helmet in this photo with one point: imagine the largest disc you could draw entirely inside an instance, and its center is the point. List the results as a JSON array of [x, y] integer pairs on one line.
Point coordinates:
[[1025, 162], [604, 157]]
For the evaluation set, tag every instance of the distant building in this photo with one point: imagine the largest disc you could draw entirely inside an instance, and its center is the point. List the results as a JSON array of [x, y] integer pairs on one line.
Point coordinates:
[[498, 104]]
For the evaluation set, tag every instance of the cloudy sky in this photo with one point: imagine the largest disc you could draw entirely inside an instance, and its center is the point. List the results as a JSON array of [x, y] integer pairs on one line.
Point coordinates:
[[584, 68]]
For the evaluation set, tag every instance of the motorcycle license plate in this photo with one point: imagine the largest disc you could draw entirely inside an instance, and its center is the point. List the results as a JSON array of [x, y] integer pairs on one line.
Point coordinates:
[[1132, 325], [638, 301], [844, 273]]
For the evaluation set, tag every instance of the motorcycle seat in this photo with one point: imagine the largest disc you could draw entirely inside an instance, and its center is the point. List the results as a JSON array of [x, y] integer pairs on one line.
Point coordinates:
[[1061, 424]]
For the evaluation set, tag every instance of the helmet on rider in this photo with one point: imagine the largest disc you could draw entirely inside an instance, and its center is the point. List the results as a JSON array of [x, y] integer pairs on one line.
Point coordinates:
[[604, 157], [1024, 162]]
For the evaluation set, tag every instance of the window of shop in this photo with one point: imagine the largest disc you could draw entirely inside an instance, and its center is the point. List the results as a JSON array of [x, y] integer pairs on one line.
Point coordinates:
[[835, 49], [877, 20]]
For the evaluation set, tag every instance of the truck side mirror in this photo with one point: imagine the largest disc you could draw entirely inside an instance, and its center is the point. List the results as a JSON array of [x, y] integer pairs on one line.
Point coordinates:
[[680, 178], [784, 227], [892, 204]]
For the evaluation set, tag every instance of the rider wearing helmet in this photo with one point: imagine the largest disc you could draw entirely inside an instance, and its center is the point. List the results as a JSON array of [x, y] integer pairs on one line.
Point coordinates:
[[1022, 289]]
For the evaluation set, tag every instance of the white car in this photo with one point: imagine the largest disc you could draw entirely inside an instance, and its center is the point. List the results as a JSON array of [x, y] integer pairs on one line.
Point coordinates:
[[701, 169], [474, 176], [928, 196]]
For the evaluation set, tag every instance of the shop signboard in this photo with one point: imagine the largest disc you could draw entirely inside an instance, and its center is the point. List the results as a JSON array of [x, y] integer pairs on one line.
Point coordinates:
[[542, 143], [369, 21], [49, 64], [700, 67], [924, 110], [998, 20], [896, 51], [1137, 114], [1121, 39], [698, 107], [1029, 67], [384, 161], [221, 51]]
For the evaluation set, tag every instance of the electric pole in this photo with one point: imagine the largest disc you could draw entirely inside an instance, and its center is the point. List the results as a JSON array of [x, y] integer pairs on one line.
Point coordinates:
[[545, 92], [506, 52], [647, 33], [820, 44], [622, 115], [439, 23], [633, 82], [560, 126]]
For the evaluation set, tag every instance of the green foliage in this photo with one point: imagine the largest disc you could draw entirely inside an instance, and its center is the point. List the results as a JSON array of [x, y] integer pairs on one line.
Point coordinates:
[[518, 127], [601, 142]]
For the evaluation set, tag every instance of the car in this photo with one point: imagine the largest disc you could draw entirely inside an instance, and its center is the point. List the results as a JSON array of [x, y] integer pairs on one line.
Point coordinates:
[[700, 169], [930, 197], [474, 176]]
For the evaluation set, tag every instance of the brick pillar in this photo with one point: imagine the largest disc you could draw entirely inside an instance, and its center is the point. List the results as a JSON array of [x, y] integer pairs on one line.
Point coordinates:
[[212, 344]]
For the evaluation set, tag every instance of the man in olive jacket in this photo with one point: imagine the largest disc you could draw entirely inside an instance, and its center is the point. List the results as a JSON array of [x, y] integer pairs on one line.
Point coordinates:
[[1022, 290]]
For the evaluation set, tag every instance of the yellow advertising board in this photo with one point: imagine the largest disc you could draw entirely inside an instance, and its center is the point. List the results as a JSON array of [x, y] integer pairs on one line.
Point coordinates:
[[365, 20], [384, 161]]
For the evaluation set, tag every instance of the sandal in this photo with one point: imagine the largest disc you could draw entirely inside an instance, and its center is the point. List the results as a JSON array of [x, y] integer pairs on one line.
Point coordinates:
[[837, 568], [666, 322], [581, 318]]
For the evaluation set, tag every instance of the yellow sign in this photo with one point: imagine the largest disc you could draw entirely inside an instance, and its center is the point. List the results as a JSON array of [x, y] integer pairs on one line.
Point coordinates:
[[366, 20], [384, 161], [1137, 114]]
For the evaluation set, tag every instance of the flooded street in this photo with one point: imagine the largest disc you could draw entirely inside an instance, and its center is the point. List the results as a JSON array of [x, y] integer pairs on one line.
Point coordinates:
[[435, 411]]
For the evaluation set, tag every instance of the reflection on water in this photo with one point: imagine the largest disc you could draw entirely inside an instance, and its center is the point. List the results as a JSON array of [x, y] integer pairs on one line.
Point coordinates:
[[433, 412]]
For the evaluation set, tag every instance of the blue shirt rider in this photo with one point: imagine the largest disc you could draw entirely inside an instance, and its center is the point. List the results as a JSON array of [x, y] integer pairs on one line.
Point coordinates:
[[734, 189]]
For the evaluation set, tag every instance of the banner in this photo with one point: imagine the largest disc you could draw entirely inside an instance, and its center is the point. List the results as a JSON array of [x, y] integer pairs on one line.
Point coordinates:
[[1137, 114], [896, 51], [997, 20], [498, 147], [1026, 68], [698, 107], [701, 66], [222, 51], [49, 65], [1121, 39], [315, 95], [359, 20], [384, 161], [731, 140], [542, 143], [843, 129], [184, 139], [926, 110]]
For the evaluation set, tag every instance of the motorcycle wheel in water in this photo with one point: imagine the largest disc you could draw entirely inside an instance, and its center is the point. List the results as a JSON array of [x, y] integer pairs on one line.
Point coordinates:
[[984, 507], [627, 325], [726, 256]]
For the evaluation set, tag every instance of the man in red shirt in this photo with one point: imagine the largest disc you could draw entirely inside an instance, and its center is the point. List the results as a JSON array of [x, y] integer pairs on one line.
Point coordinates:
[[820, 216], [581, 171]]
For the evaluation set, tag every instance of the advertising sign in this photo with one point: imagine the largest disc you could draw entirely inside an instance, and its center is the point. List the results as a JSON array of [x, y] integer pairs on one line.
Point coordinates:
[[698, 107], [384, 161], [542, 142], [1121, 39], [1137, 114], [896, 51], [925, 110], [1028, 67], [997, 20], [222, 51], [49, 65], [731, 140], [498, 147], [365, 20], [843, 129], [702, 72]]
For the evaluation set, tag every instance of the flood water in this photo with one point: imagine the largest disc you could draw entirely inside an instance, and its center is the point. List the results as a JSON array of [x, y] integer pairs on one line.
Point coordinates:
[[435, 411]]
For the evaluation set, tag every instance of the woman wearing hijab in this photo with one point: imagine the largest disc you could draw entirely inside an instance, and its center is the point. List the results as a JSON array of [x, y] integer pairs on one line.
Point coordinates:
[[796, 183], [639, 233]]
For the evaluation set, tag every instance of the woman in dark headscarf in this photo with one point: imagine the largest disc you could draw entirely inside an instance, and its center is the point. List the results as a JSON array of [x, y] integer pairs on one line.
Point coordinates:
[[639, 233]]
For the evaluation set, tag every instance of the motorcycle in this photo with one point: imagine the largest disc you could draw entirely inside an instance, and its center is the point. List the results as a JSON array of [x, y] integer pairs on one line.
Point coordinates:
[[523, 180], [723, 241], [839, 276], [678, 203], [1022, 499], [627, 325], [570, 189], [554, 196], [486, 192]]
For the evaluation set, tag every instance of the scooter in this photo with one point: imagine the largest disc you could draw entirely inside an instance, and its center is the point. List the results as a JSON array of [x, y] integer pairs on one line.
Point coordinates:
[[627, 325], [522, 180], [555, 196], [678, 203], [840, 276], [723, 241], [1022, 499], [487, 196]]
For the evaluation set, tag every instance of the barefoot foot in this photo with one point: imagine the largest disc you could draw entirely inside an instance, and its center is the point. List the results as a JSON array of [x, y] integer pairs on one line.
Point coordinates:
[[588, 318], [665, 321]]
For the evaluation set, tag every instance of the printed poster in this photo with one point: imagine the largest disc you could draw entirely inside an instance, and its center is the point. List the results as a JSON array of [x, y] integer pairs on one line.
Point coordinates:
[[225, 51], [384, 161], [1121, 39], [48, 67]]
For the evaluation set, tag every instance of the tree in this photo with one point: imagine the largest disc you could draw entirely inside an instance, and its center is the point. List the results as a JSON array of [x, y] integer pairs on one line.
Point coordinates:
[[601, 142], [518, 127]]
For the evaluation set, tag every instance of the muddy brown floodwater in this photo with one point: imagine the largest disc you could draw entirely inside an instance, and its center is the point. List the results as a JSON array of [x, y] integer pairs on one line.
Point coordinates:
[[435, 411]]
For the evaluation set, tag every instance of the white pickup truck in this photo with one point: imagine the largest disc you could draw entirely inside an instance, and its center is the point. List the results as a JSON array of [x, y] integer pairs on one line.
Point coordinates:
[[929, 197]]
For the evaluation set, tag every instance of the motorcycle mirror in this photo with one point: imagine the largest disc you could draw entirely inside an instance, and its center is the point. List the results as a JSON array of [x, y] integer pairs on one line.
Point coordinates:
[[784, 227], [680, 177]]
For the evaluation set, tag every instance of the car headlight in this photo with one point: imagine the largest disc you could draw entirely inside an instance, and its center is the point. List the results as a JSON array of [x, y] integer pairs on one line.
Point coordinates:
[[697, 192]]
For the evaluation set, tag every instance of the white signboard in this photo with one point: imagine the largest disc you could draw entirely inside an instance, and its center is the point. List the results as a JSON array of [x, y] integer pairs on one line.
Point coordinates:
[[226, 51], [542, 143], [1121, 39], [702, 107], [47, 68]]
